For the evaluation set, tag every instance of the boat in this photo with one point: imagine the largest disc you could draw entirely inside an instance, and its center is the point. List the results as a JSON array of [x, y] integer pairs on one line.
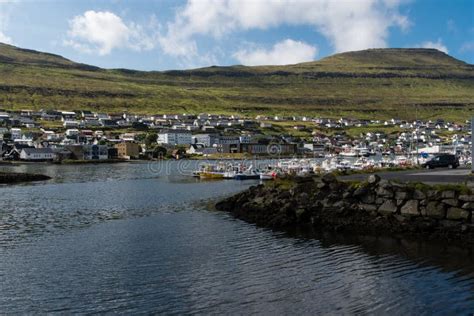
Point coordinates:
[[270, 175], [211, 175], [248, 174]]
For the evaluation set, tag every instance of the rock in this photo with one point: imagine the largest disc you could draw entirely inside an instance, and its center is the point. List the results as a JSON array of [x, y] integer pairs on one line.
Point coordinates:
[[450, 202], [379, 201], [468, 206], [385, 184], [388, 207], [368, 199], [329, 178], [411, 208], [321, 185], [433, 195], [400, 202], [466, 198], [455, 213], [448, 194], [368, 207], [400, 218], [419, 195], [448, 223], [423, 210], [435, 210], [346, 195], [302, 215], [373, 179], [402, 195], [384, 192], [360, 191]]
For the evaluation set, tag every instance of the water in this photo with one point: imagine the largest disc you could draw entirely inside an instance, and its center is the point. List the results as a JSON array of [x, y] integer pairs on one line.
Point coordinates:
[[135, 238]]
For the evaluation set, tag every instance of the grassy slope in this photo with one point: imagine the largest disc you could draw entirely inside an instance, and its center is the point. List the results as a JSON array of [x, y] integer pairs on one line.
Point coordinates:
[[378, 83]]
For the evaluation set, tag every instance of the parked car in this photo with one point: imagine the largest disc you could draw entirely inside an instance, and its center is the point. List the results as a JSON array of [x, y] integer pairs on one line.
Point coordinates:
[[443, 160]]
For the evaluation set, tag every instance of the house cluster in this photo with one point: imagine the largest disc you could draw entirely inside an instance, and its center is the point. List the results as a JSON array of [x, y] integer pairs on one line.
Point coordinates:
[[53, 135]]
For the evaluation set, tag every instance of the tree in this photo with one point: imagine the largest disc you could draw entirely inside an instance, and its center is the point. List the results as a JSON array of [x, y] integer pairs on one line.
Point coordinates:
[[151, 139]]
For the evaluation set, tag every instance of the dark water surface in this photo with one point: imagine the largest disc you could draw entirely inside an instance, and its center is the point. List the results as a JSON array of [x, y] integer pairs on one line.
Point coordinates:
[[139, 238]]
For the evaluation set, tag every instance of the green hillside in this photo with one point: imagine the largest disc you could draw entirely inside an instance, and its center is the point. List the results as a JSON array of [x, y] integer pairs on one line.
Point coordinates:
[[377, 83]]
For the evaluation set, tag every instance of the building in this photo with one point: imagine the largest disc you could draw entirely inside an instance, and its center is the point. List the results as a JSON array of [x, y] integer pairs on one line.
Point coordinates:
[[127, 150], [270, 149], [199, 149], [37, 154], [15, 133], [175, 137], [206, 139], [95, 152]]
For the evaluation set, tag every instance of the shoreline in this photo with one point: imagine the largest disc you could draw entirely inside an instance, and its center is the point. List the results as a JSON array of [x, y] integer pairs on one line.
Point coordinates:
[[375, 207]]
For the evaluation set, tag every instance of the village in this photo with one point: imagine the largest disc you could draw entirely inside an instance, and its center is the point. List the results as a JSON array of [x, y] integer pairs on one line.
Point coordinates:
[[60, 136]]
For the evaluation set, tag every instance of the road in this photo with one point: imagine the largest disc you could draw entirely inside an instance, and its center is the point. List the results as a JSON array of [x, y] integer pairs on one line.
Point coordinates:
[[435, 176]]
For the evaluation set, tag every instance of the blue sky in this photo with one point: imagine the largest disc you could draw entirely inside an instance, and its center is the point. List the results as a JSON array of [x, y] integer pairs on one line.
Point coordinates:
[[165, 34]]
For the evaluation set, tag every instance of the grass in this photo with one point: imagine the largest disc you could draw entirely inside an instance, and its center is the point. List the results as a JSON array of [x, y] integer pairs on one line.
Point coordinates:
[[459, 188], [371, 84]]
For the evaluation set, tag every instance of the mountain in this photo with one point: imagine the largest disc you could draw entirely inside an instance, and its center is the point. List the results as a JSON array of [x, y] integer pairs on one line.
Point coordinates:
[[374, 83]]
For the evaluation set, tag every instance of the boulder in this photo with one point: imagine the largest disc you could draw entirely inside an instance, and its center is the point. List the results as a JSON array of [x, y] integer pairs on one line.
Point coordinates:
[[402, 195], [419, 195], [455, 213], [466, 198], [321, 185], [360, 191], [433, 195], [329, 178], [400, 202], [384, 192], [368, 207], [450, 202], [450, 194], [468, 206], [436, 210], [373, 179], [410, 208], [368, 198], [388, 207]]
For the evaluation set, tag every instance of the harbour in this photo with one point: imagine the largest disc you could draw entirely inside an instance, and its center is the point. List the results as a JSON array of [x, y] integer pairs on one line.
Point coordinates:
[[132, 238]]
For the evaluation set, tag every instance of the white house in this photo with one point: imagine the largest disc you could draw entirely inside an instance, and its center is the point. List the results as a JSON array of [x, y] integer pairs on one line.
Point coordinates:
[[175, 137], [72, 132], [15, 133], [71, 124], [37, 154]]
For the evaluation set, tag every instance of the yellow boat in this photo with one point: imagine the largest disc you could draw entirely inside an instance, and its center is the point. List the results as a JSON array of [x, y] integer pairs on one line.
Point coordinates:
[[211, 175]]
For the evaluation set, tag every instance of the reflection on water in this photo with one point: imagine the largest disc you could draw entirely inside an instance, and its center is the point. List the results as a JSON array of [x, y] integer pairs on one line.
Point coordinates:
[[62, 251]]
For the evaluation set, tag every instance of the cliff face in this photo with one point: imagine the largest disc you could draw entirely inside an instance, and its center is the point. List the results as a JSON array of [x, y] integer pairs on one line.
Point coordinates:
[[373, 207]]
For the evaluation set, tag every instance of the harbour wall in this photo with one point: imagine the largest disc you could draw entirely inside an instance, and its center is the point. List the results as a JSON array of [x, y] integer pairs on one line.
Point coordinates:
[[374, 206]]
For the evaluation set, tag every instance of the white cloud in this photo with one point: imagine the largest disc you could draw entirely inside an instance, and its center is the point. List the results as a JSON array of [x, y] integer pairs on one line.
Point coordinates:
[[5, 8], [282, 53], [103, 31], [347, 24], [5, 39], [436, 45]]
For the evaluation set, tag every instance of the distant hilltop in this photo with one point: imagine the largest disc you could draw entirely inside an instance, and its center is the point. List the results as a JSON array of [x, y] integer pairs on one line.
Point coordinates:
[[373, 83]]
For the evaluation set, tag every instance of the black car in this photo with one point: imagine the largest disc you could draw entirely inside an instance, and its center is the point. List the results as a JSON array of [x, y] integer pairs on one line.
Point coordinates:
[[443, 160]]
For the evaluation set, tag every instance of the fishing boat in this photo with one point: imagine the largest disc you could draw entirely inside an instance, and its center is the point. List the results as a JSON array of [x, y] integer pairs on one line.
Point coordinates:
[[211, 175], [248, 174], [209, 171]]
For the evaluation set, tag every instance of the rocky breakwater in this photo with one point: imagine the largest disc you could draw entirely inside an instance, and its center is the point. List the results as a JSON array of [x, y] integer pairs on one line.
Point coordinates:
[[372, 207], [12, 177]]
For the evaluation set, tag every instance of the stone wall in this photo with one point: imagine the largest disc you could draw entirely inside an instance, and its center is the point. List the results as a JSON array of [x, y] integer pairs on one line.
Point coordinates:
[[375, 206]]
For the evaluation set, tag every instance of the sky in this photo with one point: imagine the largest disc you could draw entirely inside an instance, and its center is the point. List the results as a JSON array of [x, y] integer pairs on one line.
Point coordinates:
[[181, 34]]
